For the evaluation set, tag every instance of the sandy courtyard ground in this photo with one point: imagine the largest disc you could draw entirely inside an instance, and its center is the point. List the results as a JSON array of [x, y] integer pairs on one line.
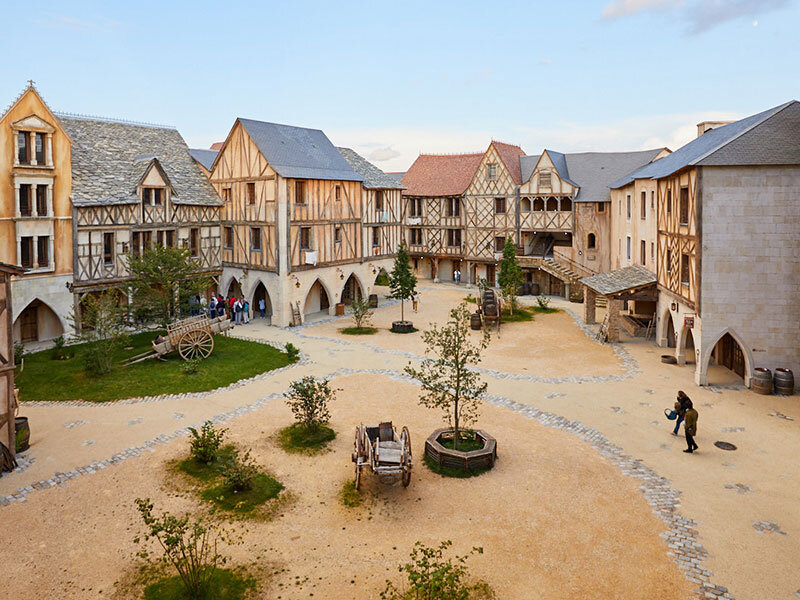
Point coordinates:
[[556, 518]]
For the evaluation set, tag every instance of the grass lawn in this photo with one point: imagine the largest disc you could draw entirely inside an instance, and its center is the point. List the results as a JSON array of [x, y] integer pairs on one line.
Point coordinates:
[[232, 359], [263, 488], [206, 472], [544, 311], [349, 495], [521, 313], [298, 439], [359, 330], [225, 583], [467, 443]]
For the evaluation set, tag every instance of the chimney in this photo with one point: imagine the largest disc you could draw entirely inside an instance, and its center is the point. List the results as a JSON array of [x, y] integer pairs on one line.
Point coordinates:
[[705, 126]]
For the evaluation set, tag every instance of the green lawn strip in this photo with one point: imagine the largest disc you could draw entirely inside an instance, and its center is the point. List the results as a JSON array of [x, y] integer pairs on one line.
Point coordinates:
[[298, 438], [349, 495], [359, 330], [465, 444], [471, 299], [206, 472], [544, 311], [521, 313], [450, 471], [225, 583], [263, 488], [231, 360]]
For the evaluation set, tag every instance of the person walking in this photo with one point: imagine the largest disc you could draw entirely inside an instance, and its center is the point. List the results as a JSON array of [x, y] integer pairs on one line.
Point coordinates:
[[246, 311], [262, 307], [220, 306], [680, 408], [237, 309], [690, 428], [415, 301], [212, 307]]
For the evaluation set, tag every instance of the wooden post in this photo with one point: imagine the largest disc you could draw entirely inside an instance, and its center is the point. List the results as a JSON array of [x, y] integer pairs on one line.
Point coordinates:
[[589, 305]]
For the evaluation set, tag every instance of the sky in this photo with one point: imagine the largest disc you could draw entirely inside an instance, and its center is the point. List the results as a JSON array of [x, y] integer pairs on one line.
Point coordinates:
[[393, 79]]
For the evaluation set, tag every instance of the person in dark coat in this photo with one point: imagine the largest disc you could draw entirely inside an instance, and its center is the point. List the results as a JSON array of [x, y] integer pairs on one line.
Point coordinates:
[[690, 427], [680, 408]]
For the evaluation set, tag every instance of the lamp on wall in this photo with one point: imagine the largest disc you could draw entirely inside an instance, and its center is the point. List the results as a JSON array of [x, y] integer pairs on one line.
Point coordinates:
[[296, 281], [340, 273], [673, 307], [374, 270]]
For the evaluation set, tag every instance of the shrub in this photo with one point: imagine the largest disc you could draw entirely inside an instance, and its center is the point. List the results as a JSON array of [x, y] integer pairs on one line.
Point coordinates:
[[349, 495], [19, 352], [382, 278], [59, 351], [190, 546], [543, 301], [191, 366], [206, 443], [429, 575], [292, 351], [239, 472], [361, 313], [308, 399], [298, 438]]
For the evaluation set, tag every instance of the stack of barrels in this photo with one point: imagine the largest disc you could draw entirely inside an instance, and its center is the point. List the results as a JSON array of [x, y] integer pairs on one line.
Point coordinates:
[[489, 303], [764, 382]]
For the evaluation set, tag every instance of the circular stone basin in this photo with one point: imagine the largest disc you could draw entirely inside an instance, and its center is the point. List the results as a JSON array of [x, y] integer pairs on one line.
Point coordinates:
[[473, 460], [725, 446], [402, 326], [669, 359]]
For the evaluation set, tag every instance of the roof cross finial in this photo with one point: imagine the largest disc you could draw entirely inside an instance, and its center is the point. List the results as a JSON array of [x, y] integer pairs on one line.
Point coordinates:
[[30, 82]]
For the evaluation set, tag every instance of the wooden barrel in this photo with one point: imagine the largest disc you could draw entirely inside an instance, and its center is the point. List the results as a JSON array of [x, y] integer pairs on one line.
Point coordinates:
[[23, 433], [339, 309], [490, 310], [526, 289], [784, 381], [762, 381], [373, 300], [534, 289], [475, 321]]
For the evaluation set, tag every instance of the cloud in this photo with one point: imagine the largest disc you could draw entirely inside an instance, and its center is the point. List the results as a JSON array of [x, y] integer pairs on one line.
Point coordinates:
[[383, 154], [697, 15], [57, 21]]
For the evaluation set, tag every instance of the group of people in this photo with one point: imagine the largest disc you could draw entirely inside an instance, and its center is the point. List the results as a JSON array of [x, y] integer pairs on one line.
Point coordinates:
[[686, 414], [236, 309]]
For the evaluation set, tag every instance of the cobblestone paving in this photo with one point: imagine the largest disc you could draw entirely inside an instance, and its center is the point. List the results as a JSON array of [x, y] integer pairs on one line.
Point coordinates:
[[741, 488], [767, 527]]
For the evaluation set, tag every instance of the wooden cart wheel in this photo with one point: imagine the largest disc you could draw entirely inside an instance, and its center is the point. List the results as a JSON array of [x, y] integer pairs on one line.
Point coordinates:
[[358, 476], [357, 452], [407, 458], [196, 344]]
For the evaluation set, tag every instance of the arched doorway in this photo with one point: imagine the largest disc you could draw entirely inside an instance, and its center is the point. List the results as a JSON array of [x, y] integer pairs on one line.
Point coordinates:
[[259, 294], [317, 300], [234, 289], [671, 337], [351, 290], [729, 354], [37, 322], [382, 278], [689, 347]]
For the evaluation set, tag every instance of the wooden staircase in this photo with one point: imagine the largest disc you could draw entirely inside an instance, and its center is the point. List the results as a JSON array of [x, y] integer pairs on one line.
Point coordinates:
[[297, 316], [561, 271]]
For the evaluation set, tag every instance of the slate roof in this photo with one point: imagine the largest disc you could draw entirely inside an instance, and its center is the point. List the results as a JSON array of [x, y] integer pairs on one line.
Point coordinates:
[[591, 172], [374, 178], [620, 280], [441, 174], [510, 155], [299, 153], [397, 175], [204, 157], [769, 137], [110, 158]]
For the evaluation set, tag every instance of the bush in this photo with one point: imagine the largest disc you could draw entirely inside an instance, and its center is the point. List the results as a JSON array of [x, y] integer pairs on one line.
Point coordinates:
[[189, 546], [59, 351], [206, 443], [429, 575], [382, 278], [543, 301], [361, 313], [349, 495], [239, 472], [19, 352], [292, 351], [298, 438], [308, 399], [191, 366]]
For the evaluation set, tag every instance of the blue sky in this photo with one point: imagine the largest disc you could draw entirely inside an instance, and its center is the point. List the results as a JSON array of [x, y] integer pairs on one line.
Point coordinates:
[[395, 79]]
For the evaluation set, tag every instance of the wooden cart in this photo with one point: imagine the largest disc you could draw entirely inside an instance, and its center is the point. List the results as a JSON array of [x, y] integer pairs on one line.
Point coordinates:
[[490, 307], [383, 450], [192, 338]]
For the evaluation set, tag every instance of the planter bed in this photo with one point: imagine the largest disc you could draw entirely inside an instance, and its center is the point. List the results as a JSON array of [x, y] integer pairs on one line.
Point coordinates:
[[473, 460]]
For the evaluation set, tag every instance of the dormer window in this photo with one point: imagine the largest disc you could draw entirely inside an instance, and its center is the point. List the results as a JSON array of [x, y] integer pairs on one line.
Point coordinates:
[[39, 147], [491, 171], [545, 180], [23, 148], [152, 196]]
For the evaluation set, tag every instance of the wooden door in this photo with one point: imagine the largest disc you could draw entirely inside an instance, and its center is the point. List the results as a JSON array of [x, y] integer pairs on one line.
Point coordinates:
[[29, 325], [732, 356], [490, 274]]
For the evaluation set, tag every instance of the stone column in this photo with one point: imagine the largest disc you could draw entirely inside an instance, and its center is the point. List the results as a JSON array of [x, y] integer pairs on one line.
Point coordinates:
[[469, 274], [49, 149], [16, 199], [614, 306], [566, 290], [16, 148], [50, 210], [589, 305], [51, 259], [33, 148], [35, 199], [435, 266]]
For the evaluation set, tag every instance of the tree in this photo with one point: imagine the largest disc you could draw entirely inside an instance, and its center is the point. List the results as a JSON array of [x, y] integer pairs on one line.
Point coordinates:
[[164, 280], [402, 281], [510, 276], [447, 381], [101, 325], [361, 312], [308, 399]]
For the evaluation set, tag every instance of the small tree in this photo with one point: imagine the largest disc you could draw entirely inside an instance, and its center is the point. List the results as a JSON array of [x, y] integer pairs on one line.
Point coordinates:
[[361, 312], [308, 399], [205, 444], [164, 281], [101, 325], [447, 381], [190, 546], [402, 281], [510, 276]]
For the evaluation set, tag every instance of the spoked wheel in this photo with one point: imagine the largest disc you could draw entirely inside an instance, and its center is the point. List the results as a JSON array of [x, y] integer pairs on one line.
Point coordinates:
[[358, 476], [407, 458], [196, 344], [357, 452]]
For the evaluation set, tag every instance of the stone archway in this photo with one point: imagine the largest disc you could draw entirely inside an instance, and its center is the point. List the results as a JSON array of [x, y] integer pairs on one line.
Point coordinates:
[[234, 288], [260, 293], [670, 334], [687, 347], [352, 290], [317, 299], [37, 322], [728, 351], [381, 278]]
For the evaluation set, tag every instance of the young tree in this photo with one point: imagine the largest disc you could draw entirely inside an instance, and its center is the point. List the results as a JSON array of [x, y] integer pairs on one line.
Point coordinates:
[[402, 281], [510, 276], [447, 381], [308, 399], [101, 324], [361, 312], [164, 280]]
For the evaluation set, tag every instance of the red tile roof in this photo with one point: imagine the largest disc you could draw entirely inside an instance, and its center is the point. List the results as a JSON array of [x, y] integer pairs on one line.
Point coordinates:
[[217, 146], [510, 154], [441, 174]]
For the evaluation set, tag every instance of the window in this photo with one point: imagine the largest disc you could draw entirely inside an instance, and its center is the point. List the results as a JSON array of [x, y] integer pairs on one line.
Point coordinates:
[[160, 238], [337, 193], [669, 261], [229, 237], [299, 192], [23, 148], [525, 205], [108, 249], [170, 238], [499, 243], [376, 236], [43, 250], [538, 204], [453, 207], [628, 204], [152, 196], [643, 252], [41, 200], [416, 236], [685, 269], [644, 205], [251, 193], [25, 200], [194, 234], [415, 207], [552, 203], [601, 207], [669, 202], [305, 238], [652, 250], [147, 239], [226, 194], [499, 206], [652, 200], [684, 206], [491, 171], [629, 248], [453, 237], [545, 180], [591, 242], [157, 196], [255, 239], [39, 148], [26, 252], [136, 243], [379, 201], [566, 204], [337, 235]]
